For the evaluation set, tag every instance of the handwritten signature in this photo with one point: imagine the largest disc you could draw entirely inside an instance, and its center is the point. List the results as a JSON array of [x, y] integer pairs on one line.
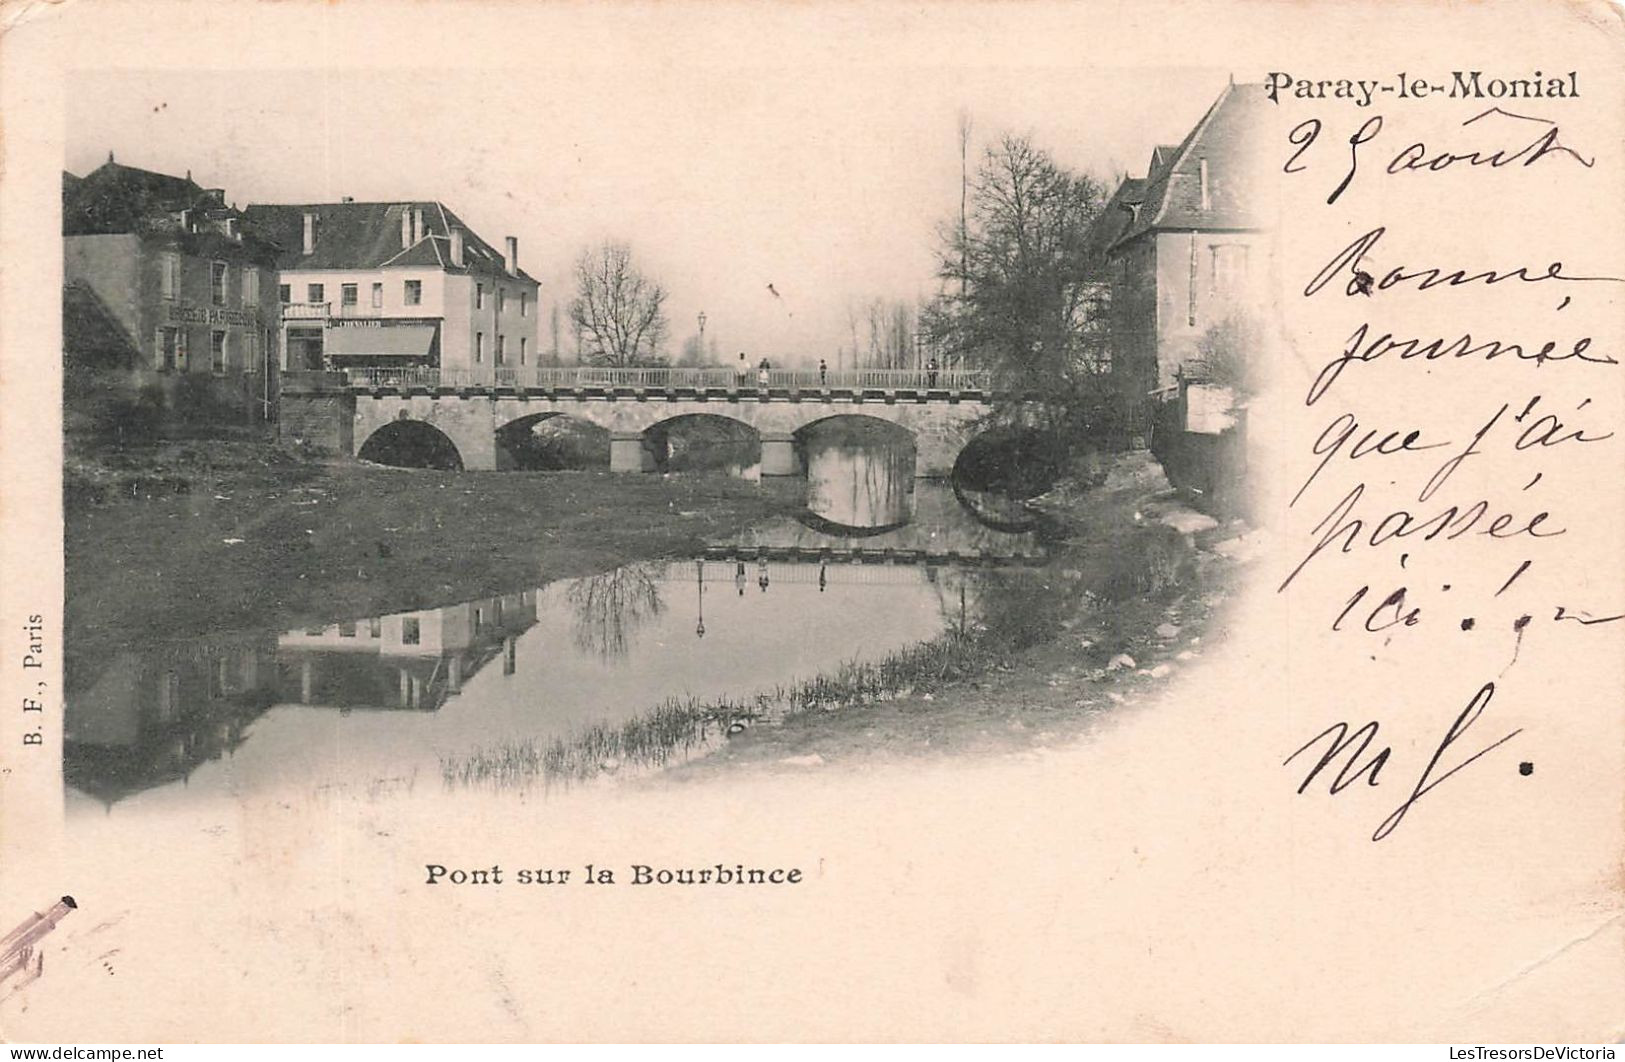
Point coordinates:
[[1358, 765]]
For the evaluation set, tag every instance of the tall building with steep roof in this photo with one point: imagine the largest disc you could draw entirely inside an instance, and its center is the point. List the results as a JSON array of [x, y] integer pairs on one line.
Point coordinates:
[[1183, 251], [406, 284], [1183, 244]]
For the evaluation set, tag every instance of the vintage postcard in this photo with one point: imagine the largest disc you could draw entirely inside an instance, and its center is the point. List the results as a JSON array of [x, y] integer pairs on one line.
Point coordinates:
[[812, 522]]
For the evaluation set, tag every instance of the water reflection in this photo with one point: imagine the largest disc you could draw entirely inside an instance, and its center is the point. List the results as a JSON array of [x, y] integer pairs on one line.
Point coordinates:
[[386, 697], [609, 608], [866, 485]]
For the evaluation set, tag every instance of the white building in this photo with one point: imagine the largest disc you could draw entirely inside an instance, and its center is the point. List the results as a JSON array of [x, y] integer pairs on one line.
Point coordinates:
[[397, 285]]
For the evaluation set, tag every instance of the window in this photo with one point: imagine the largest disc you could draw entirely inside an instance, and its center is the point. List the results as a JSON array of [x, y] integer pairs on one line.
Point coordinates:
[[414, 292], [1229, 267], [180, 349], [524, 304], [315, 293], [169, 344], [169, 275], [502, 300], [375, 627], [377, 295], [524, 348], [502, 350], [349, 294], [411, 631], [479, 296], [251, 351], [217, 283], [251, 287], [284, 293], [479, 347], [217, 351], [347, 630]]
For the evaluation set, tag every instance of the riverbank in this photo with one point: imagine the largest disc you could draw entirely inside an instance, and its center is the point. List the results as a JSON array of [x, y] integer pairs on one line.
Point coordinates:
[[194, 538]]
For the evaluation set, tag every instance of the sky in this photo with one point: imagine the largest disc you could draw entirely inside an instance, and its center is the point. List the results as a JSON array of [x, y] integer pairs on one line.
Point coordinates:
[[827, 181]]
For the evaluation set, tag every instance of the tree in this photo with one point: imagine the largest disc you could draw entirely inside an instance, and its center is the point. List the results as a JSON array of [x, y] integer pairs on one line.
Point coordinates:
[[1227, 355], [891, 334], [694, 352], [618, 312], [1021, 282]]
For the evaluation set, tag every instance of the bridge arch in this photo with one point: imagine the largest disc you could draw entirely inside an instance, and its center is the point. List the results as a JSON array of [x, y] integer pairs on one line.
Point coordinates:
[[693, 440], [550, 440], [473, 417], [408, 443]]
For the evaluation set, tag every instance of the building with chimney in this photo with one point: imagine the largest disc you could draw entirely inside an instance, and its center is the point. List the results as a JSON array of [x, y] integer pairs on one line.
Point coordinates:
[[1183, 251], [1183, 243], [167, 300], [405, 285]]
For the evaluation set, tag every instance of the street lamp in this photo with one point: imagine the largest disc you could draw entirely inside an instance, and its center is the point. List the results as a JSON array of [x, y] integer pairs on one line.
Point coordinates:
[[699, 597]]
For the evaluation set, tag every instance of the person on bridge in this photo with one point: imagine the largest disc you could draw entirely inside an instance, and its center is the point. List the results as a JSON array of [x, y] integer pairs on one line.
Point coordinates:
[[931, 372], [741, 371], [761, 374], [823, 373]]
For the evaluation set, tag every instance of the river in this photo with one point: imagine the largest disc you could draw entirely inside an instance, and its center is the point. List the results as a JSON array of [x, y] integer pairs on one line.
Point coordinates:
[[877, 562]]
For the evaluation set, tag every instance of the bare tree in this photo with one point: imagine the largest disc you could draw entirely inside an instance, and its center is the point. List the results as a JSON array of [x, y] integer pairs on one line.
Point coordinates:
[[891, 334], [618, 311], [611, 606]]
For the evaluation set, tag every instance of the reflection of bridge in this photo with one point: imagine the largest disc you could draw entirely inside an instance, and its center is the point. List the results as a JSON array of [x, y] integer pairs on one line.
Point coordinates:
[[938, 531], [470, 412], [793, 570]]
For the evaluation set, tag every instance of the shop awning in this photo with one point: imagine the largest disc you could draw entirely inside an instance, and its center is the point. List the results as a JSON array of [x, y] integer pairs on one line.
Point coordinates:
[[399, 341]]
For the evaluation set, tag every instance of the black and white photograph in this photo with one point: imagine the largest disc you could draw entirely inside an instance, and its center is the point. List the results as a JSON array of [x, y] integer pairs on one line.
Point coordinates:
[[810, 522]]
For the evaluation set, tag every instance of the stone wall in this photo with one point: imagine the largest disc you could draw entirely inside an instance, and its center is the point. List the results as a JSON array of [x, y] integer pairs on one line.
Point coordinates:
[[317, 411]]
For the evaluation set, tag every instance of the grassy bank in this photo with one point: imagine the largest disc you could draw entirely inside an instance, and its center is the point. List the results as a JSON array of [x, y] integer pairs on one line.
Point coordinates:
[[192, 538]]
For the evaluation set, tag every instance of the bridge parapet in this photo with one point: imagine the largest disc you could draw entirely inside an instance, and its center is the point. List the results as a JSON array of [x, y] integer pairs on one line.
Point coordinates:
[[587, 381]]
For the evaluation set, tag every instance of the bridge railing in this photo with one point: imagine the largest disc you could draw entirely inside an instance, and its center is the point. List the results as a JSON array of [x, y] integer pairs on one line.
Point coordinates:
[[587, 377]]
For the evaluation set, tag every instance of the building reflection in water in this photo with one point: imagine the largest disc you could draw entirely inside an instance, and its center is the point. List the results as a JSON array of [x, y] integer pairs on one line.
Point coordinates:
[[410, 660], [145, 720]]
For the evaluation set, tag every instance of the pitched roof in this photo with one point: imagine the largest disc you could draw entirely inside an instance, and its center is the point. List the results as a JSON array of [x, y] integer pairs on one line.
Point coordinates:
[[1161, 156], [115, 199], [368, 236], [1120, 211], [1227, 138]]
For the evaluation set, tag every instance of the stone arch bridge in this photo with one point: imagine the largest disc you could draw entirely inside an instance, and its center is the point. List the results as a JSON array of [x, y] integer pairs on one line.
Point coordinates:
[[340, 412]]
